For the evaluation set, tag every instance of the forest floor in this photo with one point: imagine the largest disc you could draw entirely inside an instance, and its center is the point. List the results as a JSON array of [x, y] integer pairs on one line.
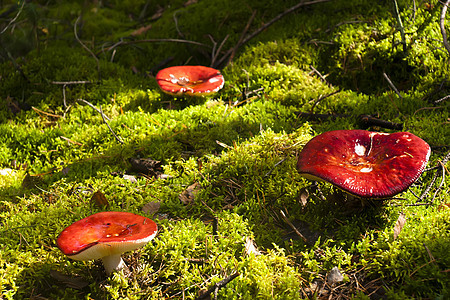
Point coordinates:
[[85, 128]]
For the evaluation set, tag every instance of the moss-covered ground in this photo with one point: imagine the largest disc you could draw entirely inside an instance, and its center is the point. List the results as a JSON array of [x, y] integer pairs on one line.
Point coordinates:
[[226, 171]]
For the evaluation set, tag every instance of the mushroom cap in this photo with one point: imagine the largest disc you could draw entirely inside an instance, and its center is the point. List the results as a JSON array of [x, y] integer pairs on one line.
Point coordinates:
[[190, 80], [363, 163], [104, 234]]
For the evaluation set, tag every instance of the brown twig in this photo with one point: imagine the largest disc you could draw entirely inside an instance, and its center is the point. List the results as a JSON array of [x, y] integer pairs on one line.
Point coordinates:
[[368, 121], [122, 43], [323, 97], [244, 32], [319, 74], [109, 127], [217, 286], [436, 174], [293, 227], [66, 83], [442, 25], [85, 47], [45, 113], [265, 26], [392, 85], [92, 106]]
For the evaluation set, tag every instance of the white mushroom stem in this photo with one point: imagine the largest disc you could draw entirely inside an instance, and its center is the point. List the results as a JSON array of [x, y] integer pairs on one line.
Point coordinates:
[[113, 262]]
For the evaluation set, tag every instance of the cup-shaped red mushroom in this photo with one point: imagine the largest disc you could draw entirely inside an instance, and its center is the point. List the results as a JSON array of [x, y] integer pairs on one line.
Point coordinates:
[[363, 163], [106, 235], [190, 80]]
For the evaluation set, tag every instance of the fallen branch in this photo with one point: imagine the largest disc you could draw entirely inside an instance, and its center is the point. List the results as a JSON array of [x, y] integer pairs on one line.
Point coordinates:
[[442, 25]]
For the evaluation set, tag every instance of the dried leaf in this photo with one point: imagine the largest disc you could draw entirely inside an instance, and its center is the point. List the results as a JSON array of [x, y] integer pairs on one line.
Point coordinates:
[[334, 276], [250, 247], [6, 172], [99, 199], [399, 225], [145, 166], [151, 208], [444, 206], [189, 2], [71, 282], [141, 30], [157, 14], [303, 196], [188, 195], [130, 178]]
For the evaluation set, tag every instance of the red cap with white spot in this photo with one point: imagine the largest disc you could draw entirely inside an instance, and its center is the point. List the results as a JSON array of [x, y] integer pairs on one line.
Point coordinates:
[[106, 235], [363, 163], [190, 80]]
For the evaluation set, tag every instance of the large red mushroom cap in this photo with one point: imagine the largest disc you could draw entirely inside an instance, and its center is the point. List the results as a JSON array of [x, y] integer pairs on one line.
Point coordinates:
[[106, 235], [363, 163], [190, 80]]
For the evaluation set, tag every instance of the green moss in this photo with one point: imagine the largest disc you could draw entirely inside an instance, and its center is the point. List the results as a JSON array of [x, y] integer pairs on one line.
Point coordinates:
[[240, 145]]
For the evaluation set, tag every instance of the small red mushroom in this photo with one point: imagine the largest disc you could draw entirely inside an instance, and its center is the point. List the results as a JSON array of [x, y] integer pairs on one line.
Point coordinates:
[[106, 235], [363, 163], [190, 80]]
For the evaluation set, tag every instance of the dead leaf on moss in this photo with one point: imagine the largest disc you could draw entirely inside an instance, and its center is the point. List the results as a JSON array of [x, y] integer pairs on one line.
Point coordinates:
[[141, 30], [334, 276], [130, 178], [303, 196], [399, 225], [157, 14], [98, 199], [188, 196], [250, 247], [151, 208], [146, 166], [189, 2]]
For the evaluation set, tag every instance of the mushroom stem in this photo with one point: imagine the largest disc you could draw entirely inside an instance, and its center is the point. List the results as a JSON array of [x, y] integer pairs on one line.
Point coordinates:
[[113, 262]]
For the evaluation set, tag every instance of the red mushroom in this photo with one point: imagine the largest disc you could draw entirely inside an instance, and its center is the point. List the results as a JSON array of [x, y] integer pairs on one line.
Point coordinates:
[[106, 235], [190, 80], [363, 163]]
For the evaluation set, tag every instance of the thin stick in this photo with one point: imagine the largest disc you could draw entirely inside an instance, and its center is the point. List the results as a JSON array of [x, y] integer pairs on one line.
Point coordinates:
[[121, 43], [85, 47], [318, 73], [265, 26], [392, 85], [292, 226], [442, 99], [95, 108], [442, 25], [70, 82], [241, 38], [110, 129], [15, 18], [64, 84], [45, 113], [400, 26], [217, 52], [436, 174], [217, 286]]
